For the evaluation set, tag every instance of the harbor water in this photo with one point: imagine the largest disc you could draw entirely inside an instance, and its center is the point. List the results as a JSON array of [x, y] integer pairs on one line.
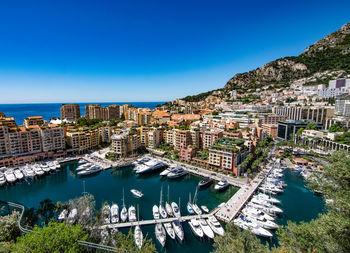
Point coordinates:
[[298, 202]]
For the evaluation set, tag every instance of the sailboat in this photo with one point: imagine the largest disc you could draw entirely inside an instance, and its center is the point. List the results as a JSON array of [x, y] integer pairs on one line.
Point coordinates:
[[138, 235], [162, 211], [124, 212], [176, 209], [160, 234], [196, 208], [189, 205], [168, 208]]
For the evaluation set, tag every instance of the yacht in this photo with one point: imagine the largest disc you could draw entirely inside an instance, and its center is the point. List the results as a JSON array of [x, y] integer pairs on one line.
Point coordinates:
[[177, 172], [83, 167], [28, 172], [106, 214], [205, 209], [176, 210], [164, 173], [150, 166], [196, 209], [89, 171], [63, 215], [196, 228], [268, 198], [252, 212], [262, 208], [124, 212], [205, 183], [72, 216], [132, 214], [262, 222], [168, 207], [45, 168], [215, 225], [162, 210], [2, 179], [178, 230], [18, 174], [206, 228], [37, 170], [114, 213], [138, 236], [221, 185], [10, 176], [189, 205], [155, 211], [266, 204], [169, 229], [160, 234], [136, 193], [253, 227]]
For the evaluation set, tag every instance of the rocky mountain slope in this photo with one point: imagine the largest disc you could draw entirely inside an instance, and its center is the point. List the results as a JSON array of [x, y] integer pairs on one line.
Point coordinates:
[[329, 54]]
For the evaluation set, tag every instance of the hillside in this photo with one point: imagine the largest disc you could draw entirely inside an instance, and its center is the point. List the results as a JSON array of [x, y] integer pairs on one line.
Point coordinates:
[[332, 53]]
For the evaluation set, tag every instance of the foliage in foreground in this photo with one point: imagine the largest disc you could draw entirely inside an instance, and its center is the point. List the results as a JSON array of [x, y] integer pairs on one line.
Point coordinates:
[[8, 227], [55, 237], [329, 233]]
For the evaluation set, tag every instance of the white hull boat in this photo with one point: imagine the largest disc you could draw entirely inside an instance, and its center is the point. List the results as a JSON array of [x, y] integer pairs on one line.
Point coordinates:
[[138, 236], [114, 213], [160, 234], [155, 211], [132, 214], [176, 210], [206, 229], [169, 229], [137, 193], [196, 228], [215, 225], [178, 230]]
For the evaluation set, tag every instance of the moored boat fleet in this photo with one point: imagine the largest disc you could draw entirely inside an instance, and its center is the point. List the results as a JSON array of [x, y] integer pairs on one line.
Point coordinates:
[[260, 212], [29, 171]]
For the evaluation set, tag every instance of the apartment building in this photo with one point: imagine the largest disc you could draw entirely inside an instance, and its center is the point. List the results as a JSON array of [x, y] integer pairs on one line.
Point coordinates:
[[33, 121], [78, 141], [195, 138], [96, 111], [125, 145], [271, 119], [93, 111], [8, 121], [105, 134], [209, 137], [154, 138], [315, 113], [342, 107], [182, 139], [23, 141], [52, 139], [271, 130], [4, 149], [70, 112]]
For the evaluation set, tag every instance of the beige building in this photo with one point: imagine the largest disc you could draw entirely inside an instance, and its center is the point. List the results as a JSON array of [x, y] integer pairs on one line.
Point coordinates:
[[271, 130], [70, 112], [319, 114], [33, 121], [52, 139], [154, 138], [124, 144]]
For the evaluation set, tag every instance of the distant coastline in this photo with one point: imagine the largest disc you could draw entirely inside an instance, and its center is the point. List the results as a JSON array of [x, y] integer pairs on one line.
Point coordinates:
[[51, 110]]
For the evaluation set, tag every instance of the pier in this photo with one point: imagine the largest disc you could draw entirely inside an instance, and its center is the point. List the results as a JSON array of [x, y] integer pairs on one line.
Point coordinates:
[[154, 221]]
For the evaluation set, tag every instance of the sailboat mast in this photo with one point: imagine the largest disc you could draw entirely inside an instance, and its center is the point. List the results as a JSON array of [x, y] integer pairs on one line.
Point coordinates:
[[123, 199], [168, 194]]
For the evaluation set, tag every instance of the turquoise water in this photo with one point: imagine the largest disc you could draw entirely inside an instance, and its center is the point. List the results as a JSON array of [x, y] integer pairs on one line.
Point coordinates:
[[298, 202]]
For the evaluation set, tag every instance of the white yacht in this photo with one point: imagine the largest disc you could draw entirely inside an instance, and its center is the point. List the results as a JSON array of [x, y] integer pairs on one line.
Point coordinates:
[[10, 176], [155, 211], [45, 168], [253, 227], [176, 210], [178, 230], [114, 213], [160, 234], [37, 170], [221, 185], [106, 214], [164, 173], [72, 216], [18, 174], [63, 215], [206, 228], [215, 225], [169, 229], [262, 222], [196, 228], [2, 179], [162, 212], [268, 198], [262, 208], [28, 172], [124, 212], [253, 212], [137, 193], [189, 205], [150, 166], [83, 167], [89, 171], [132, 214], [168, 207], [138, 236], [266, 204], [205, 209], [196, 209], [177, 172]]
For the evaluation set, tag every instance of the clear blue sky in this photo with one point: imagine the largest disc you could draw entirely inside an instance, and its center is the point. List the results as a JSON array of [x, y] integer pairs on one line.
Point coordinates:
[[79, 51]]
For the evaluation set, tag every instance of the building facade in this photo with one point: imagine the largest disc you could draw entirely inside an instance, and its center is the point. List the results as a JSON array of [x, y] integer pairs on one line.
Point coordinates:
[[70, 112]]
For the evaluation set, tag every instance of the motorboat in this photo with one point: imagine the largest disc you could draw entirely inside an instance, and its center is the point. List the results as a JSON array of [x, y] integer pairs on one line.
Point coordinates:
[[253, 227], [253, 212], [132, 214], [205, 209], [205, 182], [89, 171], [262, 208], [170, 230], [63, 215], [266, 204], [206, 228], [162, 212], [189, 205], [221, 185], [160, 234], [138, 236], [168, 207], [196, 209], [72, 216], [215, 225], [2, 179], [179, 231], [155, 211], [176, 209], [150, 166], [164, 173], [57, 164], [124, 212], [37, 170], [268, 198], [18, 174], [83, 167], [136, 193], [177, 172], [10, 176], [114, 213], [262, 222], [196, 228], [28, 172], [106, 214], [45, 168]]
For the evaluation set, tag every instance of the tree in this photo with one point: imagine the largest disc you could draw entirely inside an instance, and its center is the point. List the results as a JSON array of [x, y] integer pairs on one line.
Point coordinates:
[[46, 209], [8, 227], [55, 237], [311, 126], [335, 128], [125, 243], [300, 131]]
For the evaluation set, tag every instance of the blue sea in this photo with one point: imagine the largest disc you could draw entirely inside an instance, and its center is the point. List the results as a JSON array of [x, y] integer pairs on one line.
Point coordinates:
[[52, 110]]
